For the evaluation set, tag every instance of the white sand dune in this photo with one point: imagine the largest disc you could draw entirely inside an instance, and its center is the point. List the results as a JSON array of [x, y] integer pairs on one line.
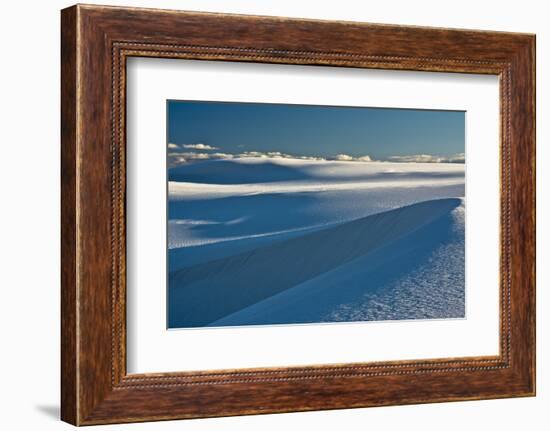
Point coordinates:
[[256, 171], [278, 241], [328, 275], [418, 276], [211, 221], [251, 176]]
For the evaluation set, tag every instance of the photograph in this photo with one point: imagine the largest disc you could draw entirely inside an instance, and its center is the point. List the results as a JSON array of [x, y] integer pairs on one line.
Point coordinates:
[[275, 210], [284, 214]]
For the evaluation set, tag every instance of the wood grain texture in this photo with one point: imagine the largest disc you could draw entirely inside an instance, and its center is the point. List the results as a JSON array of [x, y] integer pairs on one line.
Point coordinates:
[[96, 41], [69, 397]]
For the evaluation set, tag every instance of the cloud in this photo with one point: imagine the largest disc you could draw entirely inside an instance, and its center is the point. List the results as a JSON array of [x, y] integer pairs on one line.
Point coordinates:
[[199, 146], [416, 158], [364, 159], [457, 158], [427, 158], [274, 155], [343, 158], [178, 157], [348, 158], [257, 154]]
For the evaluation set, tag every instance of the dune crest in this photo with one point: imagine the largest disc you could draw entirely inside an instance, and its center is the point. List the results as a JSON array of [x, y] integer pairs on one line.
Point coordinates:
[[265, 171], [387, 240]]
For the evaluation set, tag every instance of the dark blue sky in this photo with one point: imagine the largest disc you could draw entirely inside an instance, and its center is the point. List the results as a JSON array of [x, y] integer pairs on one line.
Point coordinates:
[[323, 131]]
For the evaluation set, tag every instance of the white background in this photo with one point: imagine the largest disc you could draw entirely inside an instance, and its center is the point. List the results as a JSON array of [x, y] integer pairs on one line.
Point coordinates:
[[151, 348], [29, 227]]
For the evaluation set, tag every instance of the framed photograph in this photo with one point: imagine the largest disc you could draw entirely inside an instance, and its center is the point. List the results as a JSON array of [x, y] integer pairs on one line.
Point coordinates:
[[264, 215]]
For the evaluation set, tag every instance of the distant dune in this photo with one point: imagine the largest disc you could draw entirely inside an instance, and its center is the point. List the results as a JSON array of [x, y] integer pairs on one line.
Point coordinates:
[[232, 172], [259, 171], [364, 269]]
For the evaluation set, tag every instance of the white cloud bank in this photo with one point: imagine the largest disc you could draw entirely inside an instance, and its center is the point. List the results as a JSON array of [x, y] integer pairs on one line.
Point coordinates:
[[274, 155], [178, 155], [179, 158], [428, 158], [347, 158], [199, 146]]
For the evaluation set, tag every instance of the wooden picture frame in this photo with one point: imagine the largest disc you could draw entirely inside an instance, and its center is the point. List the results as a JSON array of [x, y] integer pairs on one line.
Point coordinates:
[[95, 43]]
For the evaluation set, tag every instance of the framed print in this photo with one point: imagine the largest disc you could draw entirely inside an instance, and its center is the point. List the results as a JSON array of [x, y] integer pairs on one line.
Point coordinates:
[[268, 215]]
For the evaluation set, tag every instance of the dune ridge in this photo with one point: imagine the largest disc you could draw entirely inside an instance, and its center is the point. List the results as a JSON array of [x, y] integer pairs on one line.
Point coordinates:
[[254, 171], [267, 273]]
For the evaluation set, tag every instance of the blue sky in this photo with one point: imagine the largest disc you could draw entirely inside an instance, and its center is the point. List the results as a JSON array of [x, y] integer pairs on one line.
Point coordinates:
[[308, 130]]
